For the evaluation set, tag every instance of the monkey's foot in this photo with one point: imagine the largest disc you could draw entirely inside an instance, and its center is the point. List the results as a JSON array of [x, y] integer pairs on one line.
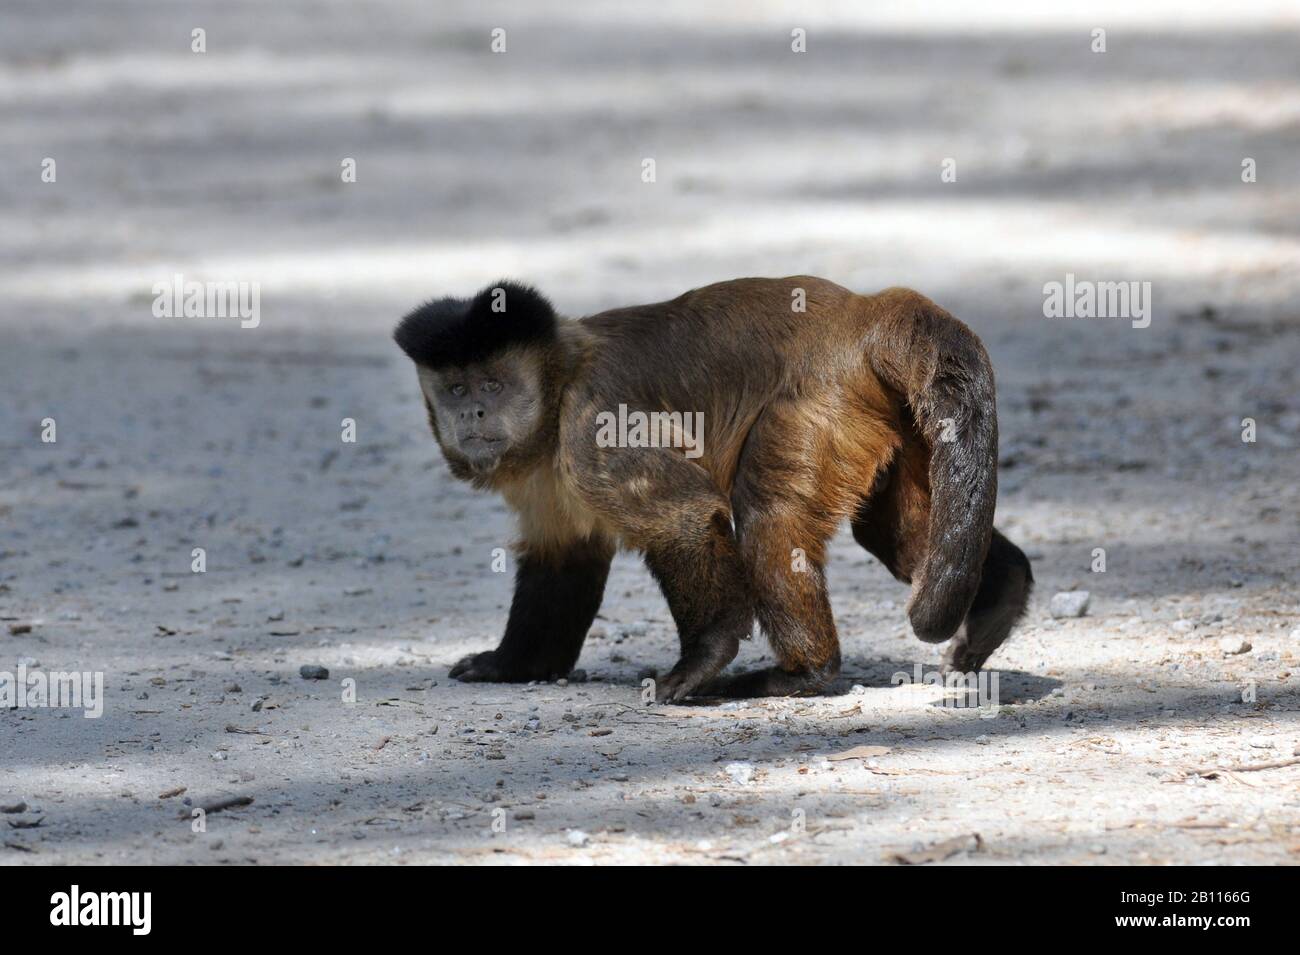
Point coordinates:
[[958, 657], [769, 681]]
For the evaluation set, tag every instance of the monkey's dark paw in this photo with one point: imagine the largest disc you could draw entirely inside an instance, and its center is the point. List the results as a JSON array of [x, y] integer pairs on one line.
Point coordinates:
[[675, 686], [683, 680], [482, 667], [958, 657]]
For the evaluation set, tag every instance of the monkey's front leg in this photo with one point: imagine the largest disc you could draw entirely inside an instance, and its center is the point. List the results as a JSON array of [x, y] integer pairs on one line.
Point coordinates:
[[707, 590], [557, 594]]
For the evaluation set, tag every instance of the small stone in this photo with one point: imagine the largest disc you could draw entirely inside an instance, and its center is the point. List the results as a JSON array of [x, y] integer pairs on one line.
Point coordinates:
[[1231, 646], [1069, 603], [312, 671], [740, 773], [578, 676], [577, 838], [14, 807]]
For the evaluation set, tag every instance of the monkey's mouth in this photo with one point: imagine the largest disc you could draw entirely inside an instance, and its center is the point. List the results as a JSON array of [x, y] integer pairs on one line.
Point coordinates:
[[480, 442], [482, 452]]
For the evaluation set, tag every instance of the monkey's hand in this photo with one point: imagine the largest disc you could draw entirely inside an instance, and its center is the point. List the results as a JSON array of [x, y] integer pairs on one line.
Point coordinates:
[[492, 666], [697, 667], [480, 668]]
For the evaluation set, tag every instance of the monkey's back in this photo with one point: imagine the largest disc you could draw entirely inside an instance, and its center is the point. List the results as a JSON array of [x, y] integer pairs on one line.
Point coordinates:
[[735, 349]]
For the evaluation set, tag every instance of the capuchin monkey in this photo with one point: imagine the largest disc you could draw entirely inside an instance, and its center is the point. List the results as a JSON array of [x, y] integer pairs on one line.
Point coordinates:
[[817, 405]]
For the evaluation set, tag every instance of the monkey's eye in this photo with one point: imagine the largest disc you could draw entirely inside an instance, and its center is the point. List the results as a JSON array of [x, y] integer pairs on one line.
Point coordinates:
[[457, 390], [492, 386]]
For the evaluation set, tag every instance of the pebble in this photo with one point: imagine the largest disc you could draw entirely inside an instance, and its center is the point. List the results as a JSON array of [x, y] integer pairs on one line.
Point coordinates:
[[1231, 646], [312, 671], [1069, 603], [740, 773], [577, 838]]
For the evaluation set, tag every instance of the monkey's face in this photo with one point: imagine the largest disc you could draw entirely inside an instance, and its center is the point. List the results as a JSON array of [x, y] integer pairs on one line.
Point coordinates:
[[481, 412]]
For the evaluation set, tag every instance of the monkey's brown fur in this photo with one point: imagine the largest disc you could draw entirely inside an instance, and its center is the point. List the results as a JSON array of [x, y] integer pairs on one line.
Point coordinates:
[[877, 409]]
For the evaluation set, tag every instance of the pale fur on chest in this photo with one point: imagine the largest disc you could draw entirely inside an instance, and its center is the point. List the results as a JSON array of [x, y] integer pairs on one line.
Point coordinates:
[[551, 514]]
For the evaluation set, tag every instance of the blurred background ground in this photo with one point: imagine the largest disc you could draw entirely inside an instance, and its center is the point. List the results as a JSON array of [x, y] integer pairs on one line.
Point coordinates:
[[367, 559]]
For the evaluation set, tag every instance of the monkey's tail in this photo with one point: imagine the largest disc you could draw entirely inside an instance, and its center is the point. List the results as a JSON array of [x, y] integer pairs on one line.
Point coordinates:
[[940, 368]]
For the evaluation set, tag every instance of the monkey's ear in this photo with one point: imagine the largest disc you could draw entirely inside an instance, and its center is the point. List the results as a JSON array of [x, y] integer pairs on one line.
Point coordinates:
[[454, 332]]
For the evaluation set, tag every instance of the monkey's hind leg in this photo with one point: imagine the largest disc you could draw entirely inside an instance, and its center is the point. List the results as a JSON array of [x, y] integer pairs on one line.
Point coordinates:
[[893, 524], [999, 603]]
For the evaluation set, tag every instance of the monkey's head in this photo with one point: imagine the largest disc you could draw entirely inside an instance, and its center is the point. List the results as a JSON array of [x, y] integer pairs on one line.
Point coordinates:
[[483, 370]]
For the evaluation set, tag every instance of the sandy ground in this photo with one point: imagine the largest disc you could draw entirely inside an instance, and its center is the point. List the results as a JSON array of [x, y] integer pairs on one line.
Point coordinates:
[[367, 559]]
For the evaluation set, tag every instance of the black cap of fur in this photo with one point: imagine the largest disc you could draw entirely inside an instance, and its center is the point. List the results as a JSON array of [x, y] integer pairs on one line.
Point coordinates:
[[454, 332]]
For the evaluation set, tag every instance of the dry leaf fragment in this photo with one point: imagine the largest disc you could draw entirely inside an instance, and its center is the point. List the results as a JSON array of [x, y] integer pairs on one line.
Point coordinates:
[[860, 752], [940, 850]]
